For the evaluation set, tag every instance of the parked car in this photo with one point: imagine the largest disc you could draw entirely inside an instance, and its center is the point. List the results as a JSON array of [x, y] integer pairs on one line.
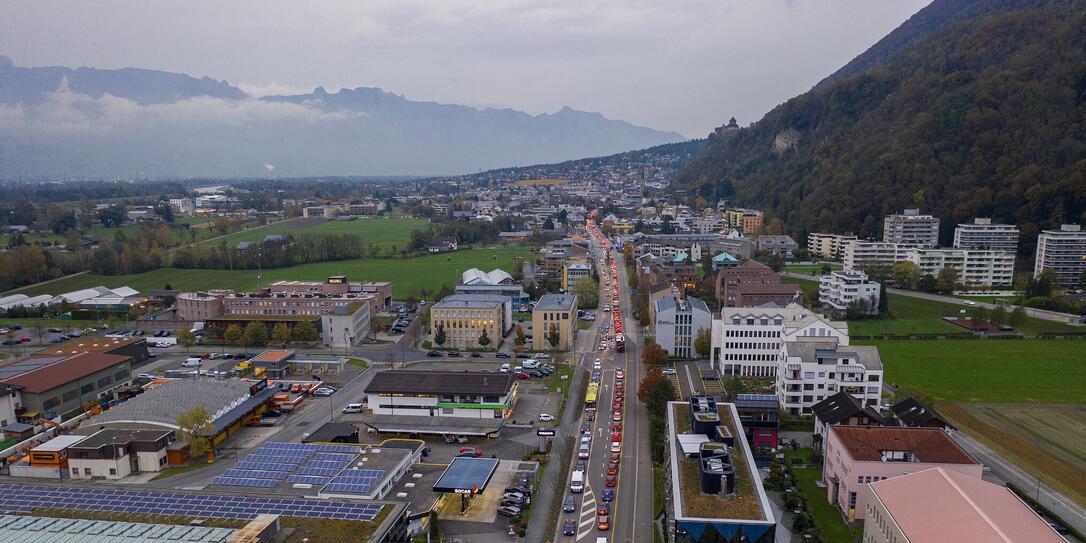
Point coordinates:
[[476, 355], [523, 355], [522, 375], [669, 371], [476, 451], [521, 503], [455, 354], [502, 355], [509, 511], [544, 417], [433, 354], [56, 340], [324, 391]]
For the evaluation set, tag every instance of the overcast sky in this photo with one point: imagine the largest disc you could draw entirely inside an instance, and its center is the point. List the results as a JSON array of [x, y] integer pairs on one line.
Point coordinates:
[[674, 64]]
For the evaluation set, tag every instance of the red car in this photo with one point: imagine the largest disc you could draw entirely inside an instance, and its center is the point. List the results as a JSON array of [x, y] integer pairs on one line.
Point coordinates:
[[473, 450], [616, 426], [619, 388], [522, 375], [612, 469], [615, 458], [24, 339], [602, 523], [611, 481], [603, 510], [617, 436], [617, 406]]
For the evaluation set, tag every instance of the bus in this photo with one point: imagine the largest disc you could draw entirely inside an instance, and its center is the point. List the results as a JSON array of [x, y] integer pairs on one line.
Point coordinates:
[[620, 343], [590, 396]]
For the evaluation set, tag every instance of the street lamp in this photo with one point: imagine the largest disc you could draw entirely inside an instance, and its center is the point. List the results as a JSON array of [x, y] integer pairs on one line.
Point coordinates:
[[346, 340]]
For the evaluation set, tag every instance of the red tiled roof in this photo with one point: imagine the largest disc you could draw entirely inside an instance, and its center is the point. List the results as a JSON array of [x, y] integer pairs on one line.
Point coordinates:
[[767, 288], [932, 445], [64, 371]]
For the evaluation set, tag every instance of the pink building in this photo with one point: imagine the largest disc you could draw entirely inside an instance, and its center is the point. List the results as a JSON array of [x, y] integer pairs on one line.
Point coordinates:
[[939, 505], [859, 455]]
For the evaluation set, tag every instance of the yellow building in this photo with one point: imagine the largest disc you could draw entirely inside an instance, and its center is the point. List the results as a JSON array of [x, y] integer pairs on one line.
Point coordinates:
[[554, 311], [464, 322]]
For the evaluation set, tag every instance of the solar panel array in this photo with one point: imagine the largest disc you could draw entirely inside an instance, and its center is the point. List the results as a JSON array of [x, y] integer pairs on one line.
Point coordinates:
[[355, 481], [304, 463], [20, 498]]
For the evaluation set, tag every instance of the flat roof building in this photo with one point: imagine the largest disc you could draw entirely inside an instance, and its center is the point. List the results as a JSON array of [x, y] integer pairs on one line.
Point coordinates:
[[1064, 252], [59, 384], [558, 312], [982, 234], [456, 394], [911, 228]]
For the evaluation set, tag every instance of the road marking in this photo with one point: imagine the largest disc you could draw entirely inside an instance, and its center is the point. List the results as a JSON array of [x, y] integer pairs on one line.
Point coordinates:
[[586, 522]]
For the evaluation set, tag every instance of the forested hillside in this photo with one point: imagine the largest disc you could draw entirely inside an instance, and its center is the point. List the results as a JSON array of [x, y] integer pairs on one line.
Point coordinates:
[[986, 117]]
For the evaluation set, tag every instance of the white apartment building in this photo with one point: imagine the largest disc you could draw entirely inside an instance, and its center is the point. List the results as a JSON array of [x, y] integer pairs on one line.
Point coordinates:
[[678, 323], [747, 341], [982, 234], [841, 288], [862, 255], [911, 228], [810, 369], [976, 268], [1064, 252], [828, 246], [182, 206]]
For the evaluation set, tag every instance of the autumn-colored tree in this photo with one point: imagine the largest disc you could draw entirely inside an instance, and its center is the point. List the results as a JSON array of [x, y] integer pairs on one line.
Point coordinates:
[[192, 428], [703, 342], [281, 333], [232, 334], [304, 331], [653, 355], [655, 391]]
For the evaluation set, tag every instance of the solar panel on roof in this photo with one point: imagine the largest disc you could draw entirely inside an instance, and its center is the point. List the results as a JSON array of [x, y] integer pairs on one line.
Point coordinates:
[[256, 474], [325, 472], [308, 479]]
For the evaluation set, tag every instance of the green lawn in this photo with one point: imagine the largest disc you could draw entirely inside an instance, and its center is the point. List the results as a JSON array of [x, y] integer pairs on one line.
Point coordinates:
[[1028, 370], [827, 517], [430, 272], [811, 269], [919, 316], [376, 231]]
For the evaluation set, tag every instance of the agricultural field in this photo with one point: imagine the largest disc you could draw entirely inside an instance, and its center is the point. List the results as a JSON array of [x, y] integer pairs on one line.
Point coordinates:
[[423, 272], [377, 231], [1042, 438], [987, 370]]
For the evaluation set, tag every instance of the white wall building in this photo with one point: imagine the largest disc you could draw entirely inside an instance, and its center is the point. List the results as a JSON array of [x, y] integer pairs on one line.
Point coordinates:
[[747, 341], [982, 234], [911, 228], [427, 393], [1064, 252], [811, 368], [976, 268], [346, 325], [860, 255], [828, 246], [182, 206], [841, 288], [678, 323]]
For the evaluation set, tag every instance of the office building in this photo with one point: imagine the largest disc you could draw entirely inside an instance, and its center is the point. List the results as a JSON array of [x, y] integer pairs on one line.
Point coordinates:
[[677, 324], [828, 246], [857, 456], [1064, 252], [911, 228], [573, 272], [557, 312], [752, 284], [813, 368], [747, 341], [466, 318], [840, 289], [982, 234]]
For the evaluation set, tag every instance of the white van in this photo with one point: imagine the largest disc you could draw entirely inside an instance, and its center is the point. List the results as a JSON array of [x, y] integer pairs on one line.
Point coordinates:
[[531, 364], [576, 484], [352, 408], [506, 368], [192, 362]]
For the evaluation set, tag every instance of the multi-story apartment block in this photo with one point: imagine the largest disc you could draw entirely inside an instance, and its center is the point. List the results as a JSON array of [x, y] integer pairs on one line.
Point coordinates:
[[976, 268], [777, 244], [828, 246], [1064, 252], [183, 206], [747, 341], [865, 255], [678, 322], [982, 234], [573, 272], [811, 368], [464, 321], [911, 228], [841, 288]]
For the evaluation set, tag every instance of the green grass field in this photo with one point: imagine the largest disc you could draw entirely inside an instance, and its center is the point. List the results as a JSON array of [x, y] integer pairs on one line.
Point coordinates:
[[827, 517], [428, 272], [376, 231], [811, 269], [966, 370], [920, 316]]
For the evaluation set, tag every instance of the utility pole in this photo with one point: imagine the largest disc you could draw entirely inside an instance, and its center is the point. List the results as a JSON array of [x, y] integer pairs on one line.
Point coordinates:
[[259, 271]]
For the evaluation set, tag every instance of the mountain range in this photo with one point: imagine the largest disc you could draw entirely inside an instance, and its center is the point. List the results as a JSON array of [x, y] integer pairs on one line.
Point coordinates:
[[87, 122], [969, 109]]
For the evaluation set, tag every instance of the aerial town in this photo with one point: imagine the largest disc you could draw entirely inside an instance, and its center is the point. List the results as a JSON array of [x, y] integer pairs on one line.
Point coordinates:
[[586, 272]]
